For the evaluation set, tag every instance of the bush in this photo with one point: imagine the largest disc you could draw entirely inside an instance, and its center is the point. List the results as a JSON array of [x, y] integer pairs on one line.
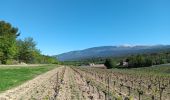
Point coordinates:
[[110, 63], [11, 62]]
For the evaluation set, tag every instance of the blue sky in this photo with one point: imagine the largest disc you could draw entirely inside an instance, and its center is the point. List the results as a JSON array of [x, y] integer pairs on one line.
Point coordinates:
[[64, 25]]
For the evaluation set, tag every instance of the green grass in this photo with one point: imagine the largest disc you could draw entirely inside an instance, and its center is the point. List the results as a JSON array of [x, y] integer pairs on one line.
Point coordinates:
[[14, 76]]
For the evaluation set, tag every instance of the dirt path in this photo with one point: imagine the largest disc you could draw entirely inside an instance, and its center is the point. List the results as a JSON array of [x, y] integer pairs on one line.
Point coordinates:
[[40, 88], [65, 91]]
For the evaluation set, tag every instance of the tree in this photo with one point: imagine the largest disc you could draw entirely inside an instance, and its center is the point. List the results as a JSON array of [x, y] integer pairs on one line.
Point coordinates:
[[110, 63], [148, 61], [8, 35], [140, 61], [1, 56], [48, 59], [27, 50]]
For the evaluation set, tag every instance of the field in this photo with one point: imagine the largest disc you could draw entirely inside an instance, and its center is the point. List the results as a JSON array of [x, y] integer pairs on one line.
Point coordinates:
[[137, 84], [11, 76], [82, 83]]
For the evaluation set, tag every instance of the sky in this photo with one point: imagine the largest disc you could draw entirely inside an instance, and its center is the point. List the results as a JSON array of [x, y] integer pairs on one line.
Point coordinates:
[[60, 26]]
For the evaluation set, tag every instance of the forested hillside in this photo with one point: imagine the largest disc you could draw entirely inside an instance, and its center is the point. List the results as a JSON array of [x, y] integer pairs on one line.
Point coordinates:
[[111, 51]]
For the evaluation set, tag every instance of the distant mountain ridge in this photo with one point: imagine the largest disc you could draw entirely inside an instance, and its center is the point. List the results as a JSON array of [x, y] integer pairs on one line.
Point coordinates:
[[110, 51]]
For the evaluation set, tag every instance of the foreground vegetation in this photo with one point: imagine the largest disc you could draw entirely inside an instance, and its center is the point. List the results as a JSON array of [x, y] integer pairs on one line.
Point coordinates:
[[16, 75]]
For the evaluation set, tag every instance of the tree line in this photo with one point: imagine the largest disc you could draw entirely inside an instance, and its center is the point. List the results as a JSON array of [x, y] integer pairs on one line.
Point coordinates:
[[139, 60], [14, 50], [146, 60]]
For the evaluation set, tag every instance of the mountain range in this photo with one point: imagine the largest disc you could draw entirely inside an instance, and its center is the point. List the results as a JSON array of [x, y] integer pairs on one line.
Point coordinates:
[[111, 51]]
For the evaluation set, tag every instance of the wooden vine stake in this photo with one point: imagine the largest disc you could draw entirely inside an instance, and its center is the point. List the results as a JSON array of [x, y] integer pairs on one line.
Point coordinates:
[[108, 90]]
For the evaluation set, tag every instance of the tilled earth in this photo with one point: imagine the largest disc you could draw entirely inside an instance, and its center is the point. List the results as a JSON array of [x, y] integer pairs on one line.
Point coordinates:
[[76, 87]]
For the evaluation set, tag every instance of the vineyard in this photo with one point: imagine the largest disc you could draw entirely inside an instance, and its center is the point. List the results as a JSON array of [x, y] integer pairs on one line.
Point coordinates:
[[127, 86], [82, 83]]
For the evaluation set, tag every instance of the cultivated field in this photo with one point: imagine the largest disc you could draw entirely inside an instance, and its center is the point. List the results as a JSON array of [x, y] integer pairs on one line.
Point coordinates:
[[80, 83]]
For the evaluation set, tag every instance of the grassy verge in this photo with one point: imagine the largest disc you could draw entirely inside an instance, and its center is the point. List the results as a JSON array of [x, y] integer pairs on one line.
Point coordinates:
[[14, 76]]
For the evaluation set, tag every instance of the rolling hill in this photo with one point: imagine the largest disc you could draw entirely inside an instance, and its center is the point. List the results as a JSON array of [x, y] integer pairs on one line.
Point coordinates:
[[110, 51]]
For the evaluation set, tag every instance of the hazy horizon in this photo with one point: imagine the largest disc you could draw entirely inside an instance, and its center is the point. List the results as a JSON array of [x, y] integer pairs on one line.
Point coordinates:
[[60, 26]]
